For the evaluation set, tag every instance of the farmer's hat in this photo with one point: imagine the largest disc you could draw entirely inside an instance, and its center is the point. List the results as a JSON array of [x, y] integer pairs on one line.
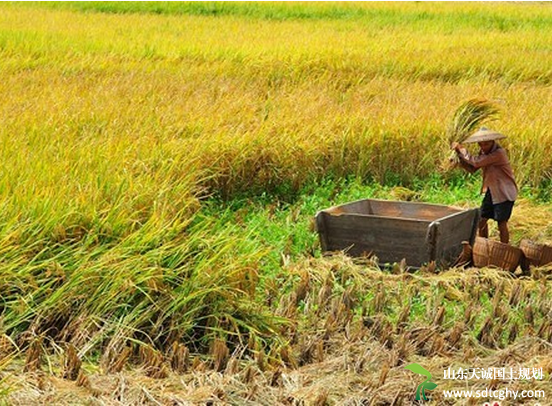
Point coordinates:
[[484, 134]]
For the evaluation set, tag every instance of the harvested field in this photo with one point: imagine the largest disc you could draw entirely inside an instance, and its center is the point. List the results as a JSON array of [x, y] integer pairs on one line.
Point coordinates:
[[351, 330]]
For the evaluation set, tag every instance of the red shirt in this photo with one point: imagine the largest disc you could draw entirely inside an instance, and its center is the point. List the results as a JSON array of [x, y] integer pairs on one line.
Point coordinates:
[[498, 176]]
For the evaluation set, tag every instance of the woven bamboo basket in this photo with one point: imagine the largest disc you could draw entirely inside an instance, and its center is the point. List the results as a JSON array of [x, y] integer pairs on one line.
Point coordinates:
[[536, 254], [494, 253]]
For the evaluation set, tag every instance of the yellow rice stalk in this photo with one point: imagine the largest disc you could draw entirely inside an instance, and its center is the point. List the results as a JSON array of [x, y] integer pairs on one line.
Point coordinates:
[[72, 363]]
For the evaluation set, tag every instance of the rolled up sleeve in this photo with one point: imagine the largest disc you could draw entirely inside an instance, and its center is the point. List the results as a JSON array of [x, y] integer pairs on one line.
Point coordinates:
[[480, 161], [467, 167]]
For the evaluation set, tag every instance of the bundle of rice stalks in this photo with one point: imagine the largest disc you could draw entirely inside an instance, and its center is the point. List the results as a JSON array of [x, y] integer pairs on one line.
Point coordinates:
[[466, 120], [72, 363]]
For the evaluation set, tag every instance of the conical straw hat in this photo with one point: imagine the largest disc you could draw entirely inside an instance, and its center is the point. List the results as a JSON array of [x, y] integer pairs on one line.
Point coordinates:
[[484, 134]]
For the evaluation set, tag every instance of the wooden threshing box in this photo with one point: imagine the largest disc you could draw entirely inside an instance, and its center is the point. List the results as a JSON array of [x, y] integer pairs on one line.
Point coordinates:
[[392, 230]]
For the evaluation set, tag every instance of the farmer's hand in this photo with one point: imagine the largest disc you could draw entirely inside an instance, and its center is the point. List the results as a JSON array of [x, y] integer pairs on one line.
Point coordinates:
[[456, 146]]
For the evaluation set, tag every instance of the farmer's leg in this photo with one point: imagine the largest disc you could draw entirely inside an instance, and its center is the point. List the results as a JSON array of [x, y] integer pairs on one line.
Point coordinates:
[[503, 211], [487, 212], [483, 228], [504, 233]]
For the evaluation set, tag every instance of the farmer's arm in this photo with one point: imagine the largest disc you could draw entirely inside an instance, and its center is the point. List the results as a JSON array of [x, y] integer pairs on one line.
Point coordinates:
[[479, 161], [463, 164], [467, 167]]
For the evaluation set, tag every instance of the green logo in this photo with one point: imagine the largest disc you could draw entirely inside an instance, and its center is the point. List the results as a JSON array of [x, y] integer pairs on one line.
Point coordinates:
[[427, 384]]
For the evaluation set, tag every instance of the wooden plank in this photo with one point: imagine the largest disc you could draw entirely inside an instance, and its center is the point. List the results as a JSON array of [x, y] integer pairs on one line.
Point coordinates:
[[362, 223], [385, 253], [339, 242], [322, 231], [389, 239], [454, 230], [358, 207], [397, 209], [433, 234]]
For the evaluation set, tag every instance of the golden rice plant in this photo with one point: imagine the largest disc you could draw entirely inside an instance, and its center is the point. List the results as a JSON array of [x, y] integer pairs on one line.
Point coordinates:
[[467, 118]]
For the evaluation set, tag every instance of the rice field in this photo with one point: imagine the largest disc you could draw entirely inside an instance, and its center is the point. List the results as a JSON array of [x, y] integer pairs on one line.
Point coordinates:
[[162, 163]]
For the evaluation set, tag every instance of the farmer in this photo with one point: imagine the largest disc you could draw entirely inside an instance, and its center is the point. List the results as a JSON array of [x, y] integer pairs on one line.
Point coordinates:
[[499, 184]]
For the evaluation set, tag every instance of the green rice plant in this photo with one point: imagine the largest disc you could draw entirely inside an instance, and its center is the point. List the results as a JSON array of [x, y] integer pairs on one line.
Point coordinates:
[[190, 289]]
